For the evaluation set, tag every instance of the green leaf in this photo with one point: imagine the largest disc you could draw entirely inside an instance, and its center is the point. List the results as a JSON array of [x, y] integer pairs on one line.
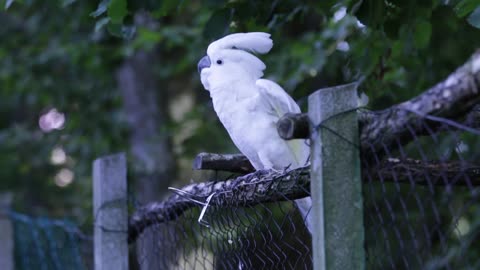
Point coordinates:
[[397, 49], [148, 36], [422, 34], [117, 10], [218, 24], [146, 39], [474, 18], [115, 29], [102, 8], [464, 7]]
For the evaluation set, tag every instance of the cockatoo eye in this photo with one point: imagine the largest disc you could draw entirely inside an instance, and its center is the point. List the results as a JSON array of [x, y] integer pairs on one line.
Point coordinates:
[[219, 62]]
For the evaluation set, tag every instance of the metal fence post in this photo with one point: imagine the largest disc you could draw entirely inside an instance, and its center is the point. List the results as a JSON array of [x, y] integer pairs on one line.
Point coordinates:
[[338, 234], [110, 212]]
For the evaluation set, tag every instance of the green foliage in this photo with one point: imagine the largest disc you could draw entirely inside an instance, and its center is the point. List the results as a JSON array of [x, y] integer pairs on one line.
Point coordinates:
[[64, 54], [56, 64], [117, 10], [406, 38], [464, 7], [218, 24], [422, 34]]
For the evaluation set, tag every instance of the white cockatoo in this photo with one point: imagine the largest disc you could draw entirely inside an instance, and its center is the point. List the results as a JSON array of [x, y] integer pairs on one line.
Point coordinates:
[[249, 106]]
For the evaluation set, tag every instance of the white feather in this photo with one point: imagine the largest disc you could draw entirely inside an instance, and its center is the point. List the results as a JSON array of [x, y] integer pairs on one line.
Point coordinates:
[[280, 100], [282, 103], [256, 42]]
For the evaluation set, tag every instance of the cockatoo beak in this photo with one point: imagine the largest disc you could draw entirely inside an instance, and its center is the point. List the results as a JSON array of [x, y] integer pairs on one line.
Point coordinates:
[[203, 63]]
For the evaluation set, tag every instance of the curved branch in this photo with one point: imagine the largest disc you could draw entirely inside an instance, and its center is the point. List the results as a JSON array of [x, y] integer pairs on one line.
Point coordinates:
[[252, 189], [453, 98], [420, 172], [272, 186]]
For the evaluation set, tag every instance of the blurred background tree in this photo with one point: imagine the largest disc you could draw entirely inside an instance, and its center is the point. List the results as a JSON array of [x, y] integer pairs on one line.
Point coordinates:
[[81, 79]]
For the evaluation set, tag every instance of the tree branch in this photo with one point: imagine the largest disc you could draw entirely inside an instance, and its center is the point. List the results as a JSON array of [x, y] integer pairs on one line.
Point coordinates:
[[236, 163], [425, 173], [390, 170], [453, 98], [259, 187], [272, 186], [294, 126]]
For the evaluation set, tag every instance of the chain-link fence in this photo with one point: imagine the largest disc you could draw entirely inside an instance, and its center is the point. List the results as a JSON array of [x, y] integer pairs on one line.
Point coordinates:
[[421, 211], [422, 206], [419, 182], [43, 243], [241, 236]]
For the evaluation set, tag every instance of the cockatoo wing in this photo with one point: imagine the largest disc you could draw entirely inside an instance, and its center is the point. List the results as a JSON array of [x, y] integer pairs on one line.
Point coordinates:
[[256, 42], [281, 103]]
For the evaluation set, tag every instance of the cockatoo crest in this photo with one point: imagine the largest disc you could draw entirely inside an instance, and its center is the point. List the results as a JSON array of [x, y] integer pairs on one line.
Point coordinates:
[[231, 57], [256, 42]]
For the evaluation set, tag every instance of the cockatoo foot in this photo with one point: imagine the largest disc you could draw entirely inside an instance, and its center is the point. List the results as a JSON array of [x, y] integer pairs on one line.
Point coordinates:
[[278, 171], [281, 171]]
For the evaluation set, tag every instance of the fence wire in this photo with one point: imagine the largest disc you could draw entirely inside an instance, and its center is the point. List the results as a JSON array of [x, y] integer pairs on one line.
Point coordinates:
[[265, 236], [45, 244], [421, 211]]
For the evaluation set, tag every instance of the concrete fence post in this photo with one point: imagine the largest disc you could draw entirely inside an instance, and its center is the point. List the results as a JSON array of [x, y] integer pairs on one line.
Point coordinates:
[[338, 236], [110, 212]]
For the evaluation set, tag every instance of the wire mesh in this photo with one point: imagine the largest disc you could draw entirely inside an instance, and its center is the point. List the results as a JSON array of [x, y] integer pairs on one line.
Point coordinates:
[[43, 243], [422, 208], [421, 211], [262, 236]]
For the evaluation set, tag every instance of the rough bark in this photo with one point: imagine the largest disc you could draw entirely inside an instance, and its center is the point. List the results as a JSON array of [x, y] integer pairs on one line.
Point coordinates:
[[271, 186], [420, 172], [236, 163], [389, 170], [454, 98], [259, 187], [294, 126]]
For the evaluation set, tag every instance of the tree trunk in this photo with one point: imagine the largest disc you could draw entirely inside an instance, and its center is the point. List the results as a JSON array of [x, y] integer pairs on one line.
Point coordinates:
[[151, 150]]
